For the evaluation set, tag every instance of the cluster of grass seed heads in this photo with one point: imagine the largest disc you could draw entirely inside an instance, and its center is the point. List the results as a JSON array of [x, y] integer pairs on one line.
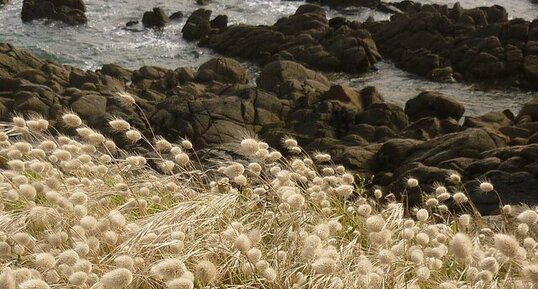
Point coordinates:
[[79, 212]]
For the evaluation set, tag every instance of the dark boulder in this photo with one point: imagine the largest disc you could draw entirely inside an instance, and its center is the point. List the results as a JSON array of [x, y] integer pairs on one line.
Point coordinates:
[[512, 187], [197, 25], [434, 104], [156, 18], [384, 114]]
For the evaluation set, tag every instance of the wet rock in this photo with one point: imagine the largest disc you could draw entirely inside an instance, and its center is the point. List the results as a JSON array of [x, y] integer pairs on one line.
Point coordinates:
[[347, 3], [434, 104], [68, 11], [222, 69], [220, 22], [176, 16], [304, 37], [447, 44], [156, 18], [197, 25]]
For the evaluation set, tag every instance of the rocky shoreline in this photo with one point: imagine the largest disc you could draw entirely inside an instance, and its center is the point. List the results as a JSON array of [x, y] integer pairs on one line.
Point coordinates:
[[216, 105]]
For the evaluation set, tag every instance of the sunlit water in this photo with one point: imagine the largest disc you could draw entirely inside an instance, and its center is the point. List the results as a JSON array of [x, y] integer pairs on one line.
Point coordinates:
[[105, 40]]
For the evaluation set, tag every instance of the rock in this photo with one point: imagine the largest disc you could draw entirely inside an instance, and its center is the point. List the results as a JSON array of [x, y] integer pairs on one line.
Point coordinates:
[[490, 119], [176, 16], [481, 166], [305, 37], [197, 25], [434, 104], [132, 23], [513, 188], [276, 73], [68, 11], [156, 18], [219, 22], [427, 176], [393, 152], [358, 158], [515, 132], [387, 114], [117, 71], [530, 68], [346, 3], [26, 102], [454, 44], [90, 106], [422, 62], [222, 69], [529, 112], [468, 143]]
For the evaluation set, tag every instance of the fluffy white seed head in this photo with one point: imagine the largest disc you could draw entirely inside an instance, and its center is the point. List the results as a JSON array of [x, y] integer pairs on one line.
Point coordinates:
[[324, 266], [460, 198], [34, 284], [234, 170], [486, 187], [412, 182], [269, 274], [71, 120], [242, 243], [168, 269], [506, 244], [375, 223], [462, 247], [529, 217], [422, 215], [290, 143], [7, 279], [119, 125], [78, 278], [117, 278], [531, 272], [45, 261], [126, 98], [133, 135], [206, 272], [180, 283], [249, 146]]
